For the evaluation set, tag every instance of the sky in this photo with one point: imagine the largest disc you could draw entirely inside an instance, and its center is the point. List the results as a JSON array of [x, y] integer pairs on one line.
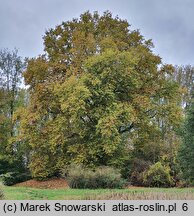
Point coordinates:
[[169, 23]]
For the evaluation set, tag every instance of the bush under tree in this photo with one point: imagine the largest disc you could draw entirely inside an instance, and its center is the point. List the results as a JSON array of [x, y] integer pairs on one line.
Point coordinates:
[[101, 177], [158, 175]]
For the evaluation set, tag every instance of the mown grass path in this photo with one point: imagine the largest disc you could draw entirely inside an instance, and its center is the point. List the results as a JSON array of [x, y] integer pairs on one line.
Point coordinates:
[[26, 193]]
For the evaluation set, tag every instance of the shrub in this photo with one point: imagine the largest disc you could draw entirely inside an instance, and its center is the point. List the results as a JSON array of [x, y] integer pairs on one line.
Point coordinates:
[[108, 177], [8, 164], [12, 178], [158, 176], [101, 177], [139, 166]]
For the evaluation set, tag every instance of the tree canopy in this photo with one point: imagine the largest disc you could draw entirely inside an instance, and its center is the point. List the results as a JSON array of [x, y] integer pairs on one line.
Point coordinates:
[[97, 94]]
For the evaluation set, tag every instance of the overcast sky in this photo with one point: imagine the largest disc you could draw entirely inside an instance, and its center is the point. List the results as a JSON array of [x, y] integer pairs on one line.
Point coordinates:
[[169, 23]]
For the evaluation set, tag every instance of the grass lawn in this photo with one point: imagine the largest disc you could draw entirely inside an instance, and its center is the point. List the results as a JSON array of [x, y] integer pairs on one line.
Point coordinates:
[[26, 193]]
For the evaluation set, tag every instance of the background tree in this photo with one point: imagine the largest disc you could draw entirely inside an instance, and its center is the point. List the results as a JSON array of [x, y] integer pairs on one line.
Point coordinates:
[[186, 152], [184, 75], [11, 68]]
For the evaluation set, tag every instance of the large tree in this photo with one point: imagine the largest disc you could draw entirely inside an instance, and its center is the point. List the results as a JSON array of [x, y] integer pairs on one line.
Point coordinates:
[[96, 94]]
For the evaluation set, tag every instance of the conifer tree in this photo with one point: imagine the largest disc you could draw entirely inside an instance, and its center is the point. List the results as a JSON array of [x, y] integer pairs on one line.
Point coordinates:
[[186, 152]]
